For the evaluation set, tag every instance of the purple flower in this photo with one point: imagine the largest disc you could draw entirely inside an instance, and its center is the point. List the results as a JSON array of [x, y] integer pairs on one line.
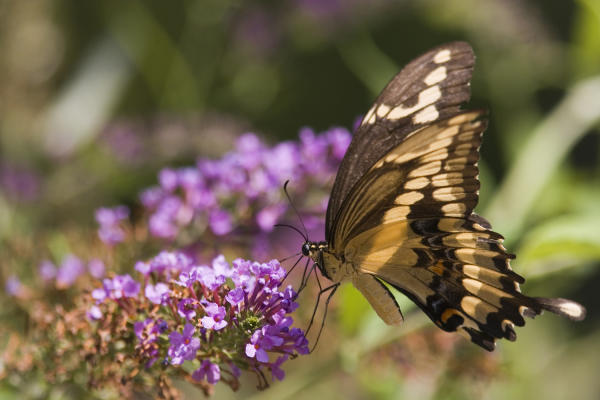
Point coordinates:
[[220, 222], [235, 371], [277, 372], [209, 279], [121, 286], [339, 139], [188, 278], [255, 349], [207, 370], [69, 271], [111, 216], [142, 267], [152, 197], [96, 268], [157, 294], [13, 286], [19, 183], [47, 270], [149, 329], [243, 188], [220, 266], [170, 261], [268, 216], [168, 179], [183, 345], [109, 219], [147, 332], [243, 277], [99, 295], [287, 302], [94, 313], [235, 296], [125, 142], [214, 318], [186, 307]]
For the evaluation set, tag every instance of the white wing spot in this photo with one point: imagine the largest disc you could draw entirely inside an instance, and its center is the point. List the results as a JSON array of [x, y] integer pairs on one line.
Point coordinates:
[[451, 193], [442, 56], [425, 170], [454, 208], [435, 76], [472, 306], [472, 285], [367, 118], [448, 132], [426, 97], [395, 214], [572, 309], [382, 110], [428, 114], [440, 154], [417, 183], [409, 198], [463, 149]]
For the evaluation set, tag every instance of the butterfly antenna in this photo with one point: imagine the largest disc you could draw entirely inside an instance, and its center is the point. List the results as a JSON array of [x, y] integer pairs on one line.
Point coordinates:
[[288, 257], [294, 228], [294, 208]]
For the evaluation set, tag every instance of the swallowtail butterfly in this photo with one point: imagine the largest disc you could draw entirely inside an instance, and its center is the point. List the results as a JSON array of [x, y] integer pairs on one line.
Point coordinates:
[[401, 210]]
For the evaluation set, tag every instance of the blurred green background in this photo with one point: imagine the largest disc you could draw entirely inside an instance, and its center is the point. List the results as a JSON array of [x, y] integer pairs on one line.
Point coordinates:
[[96, 97]]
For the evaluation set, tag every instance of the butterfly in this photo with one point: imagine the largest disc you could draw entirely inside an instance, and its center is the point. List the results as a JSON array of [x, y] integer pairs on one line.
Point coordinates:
[[401, 214]]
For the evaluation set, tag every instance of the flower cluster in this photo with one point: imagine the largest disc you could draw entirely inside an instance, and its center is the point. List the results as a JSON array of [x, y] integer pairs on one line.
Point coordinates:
[[172, 316], [110, 219], [71, 268], [219, 319], [243, 188]]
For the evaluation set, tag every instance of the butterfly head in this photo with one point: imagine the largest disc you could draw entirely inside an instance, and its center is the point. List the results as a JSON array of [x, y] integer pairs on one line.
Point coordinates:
[[314, 250]]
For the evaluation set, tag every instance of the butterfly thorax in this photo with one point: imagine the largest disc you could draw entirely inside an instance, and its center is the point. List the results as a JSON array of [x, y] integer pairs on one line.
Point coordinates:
[[331, 266]]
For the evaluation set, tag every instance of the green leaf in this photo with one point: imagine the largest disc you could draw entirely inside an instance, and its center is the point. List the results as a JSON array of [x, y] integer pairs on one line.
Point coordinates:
[[561, 243]]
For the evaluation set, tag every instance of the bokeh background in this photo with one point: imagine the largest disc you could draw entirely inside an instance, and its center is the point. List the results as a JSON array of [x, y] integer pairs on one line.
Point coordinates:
[[97, 97]]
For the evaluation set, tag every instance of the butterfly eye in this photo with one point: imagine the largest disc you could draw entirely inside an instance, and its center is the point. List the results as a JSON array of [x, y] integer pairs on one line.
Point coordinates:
[[306, 249]]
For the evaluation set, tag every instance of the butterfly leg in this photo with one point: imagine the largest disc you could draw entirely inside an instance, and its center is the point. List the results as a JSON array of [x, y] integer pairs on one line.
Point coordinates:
[[321, 292], [290, 270], [305, 276], [332, 289]]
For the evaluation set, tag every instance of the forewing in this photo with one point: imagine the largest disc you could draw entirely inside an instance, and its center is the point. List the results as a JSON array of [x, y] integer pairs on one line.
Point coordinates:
[[432, 173], [428, 89]]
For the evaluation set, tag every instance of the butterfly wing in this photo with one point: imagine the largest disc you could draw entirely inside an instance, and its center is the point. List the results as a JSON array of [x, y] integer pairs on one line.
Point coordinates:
[[409, 222], [428, 89]]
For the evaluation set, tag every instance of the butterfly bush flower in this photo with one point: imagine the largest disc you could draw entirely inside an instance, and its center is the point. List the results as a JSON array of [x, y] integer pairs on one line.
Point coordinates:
[[47, 270], [218, 318], [110, 219], [243, 188], [13, 286], [70, 269], [175, 315]]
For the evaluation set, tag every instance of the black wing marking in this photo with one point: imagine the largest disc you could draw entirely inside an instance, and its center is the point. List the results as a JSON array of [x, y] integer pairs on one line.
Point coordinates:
[[428, 89]]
